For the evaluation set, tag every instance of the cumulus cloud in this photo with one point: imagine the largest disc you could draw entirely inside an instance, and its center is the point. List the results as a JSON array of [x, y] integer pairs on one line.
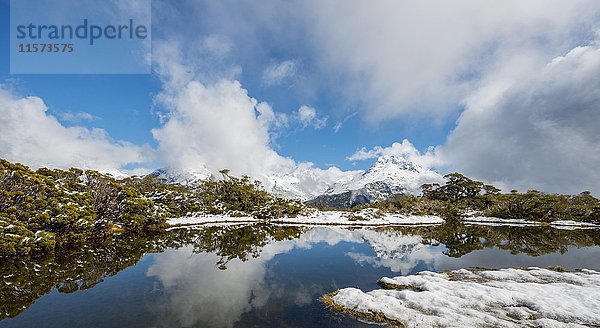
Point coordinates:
[[220, 126], [278, 73], [217, 124], [427, 159], [308, 117], [50, 144], [537, 130]]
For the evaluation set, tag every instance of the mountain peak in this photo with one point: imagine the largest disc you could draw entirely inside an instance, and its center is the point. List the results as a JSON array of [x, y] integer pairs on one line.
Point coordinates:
[[389, 176], [186, 178], [399, 161]]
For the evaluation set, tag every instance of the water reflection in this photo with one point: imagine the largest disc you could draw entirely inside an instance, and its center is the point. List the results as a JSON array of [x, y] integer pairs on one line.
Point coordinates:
[[70, 270], [448, 246], [242, 275], [219, 276]]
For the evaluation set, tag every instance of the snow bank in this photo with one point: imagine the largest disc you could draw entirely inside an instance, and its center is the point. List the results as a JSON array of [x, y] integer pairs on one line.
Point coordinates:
[[499, 298], [558, 224], [371, 217], [368, 217], [210, 218], [488, 219], [571, 225]]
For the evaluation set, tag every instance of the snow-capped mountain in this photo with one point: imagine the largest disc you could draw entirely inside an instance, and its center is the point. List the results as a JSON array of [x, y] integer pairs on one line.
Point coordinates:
[[397, 173], [305, 182], [389, 176]]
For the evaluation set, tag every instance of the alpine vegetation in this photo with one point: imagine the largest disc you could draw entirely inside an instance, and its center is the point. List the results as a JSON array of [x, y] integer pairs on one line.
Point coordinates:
[[48, 208]]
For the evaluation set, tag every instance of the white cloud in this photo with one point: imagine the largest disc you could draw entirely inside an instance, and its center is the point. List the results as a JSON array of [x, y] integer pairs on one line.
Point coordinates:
[[393, 58], [306, 114], [305, 181], [216, 46], [428, 159], [269, 119], [217, 125], [278, 73], [204, 59], [338, 126], [417, 59], [400, 59], [76, 116], [213, 123], [538, 129], [33, 137], [308, 117]]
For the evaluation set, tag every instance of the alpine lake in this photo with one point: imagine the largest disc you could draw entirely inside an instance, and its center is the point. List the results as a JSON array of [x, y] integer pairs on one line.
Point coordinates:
[[260, 274]]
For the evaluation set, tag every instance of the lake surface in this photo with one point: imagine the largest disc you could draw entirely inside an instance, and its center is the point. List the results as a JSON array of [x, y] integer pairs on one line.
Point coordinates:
[[258, 275]]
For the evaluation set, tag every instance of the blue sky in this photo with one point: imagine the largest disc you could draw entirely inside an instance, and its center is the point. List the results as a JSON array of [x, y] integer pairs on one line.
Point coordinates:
[[437, 74]]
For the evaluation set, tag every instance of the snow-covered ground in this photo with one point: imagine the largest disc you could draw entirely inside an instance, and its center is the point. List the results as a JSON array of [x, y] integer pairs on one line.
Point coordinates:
[[371, 217], [368, 217], [210, 218], [490, 220], [559, 224], [569, 225], [532, 297]]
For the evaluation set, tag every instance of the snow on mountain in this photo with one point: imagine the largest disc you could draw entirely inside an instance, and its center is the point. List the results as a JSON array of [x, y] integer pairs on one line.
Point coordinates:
[[398, 173], [306, 182], [186, 178], [389, 176]]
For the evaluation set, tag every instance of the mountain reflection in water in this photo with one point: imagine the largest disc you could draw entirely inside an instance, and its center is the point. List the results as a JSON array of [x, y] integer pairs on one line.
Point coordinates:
[[261, 274]]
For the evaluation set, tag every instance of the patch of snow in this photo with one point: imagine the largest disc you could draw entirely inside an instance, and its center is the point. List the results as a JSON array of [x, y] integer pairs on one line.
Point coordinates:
[[571, 225], [558, 224], [367, 217], [489, 219], [371, 217], [499, 298], [360, 219], [209, 218]]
